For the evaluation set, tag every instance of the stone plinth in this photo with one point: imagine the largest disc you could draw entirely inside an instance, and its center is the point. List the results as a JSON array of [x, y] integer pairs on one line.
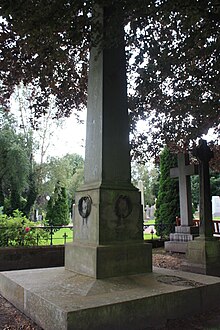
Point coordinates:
[[178, 240], [58, 299], [104, 261], [108, 243], [203, 256]]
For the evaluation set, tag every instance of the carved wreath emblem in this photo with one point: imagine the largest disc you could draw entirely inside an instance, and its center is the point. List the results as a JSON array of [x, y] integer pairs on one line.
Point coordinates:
[[84, 206], [123, 206]]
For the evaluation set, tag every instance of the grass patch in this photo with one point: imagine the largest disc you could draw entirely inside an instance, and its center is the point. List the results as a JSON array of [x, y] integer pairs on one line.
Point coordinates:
[[58, 237], [149, 236], [149, 222]]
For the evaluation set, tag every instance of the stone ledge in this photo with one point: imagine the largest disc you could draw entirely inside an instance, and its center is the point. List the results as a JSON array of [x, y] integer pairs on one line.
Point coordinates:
[[130, 302], [15, 258]]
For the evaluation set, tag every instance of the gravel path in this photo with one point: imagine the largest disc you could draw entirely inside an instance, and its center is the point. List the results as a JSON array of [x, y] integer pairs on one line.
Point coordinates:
[[12, 319]]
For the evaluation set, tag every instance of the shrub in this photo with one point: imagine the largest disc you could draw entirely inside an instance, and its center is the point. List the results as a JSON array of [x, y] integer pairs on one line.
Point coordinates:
[[17, 230], [167, 204]]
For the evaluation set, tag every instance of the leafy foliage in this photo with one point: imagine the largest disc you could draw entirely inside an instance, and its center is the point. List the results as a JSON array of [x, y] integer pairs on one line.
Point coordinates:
[[57, 208], [15, 164], [68, 170], [150, 179], [214, 186], [172, 50], [167, 204], [17, 230]]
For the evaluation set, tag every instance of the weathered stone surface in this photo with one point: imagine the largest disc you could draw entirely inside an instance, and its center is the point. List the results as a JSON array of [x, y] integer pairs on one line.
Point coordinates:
[[104, 261], [109, 215], [203, 256], [31, 257], [175, 246], [58, 299]]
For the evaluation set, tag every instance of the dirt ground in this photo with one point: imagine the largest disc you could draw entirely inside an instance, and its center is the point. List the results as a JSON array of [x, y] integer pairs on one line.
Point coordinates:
[[12, 319]]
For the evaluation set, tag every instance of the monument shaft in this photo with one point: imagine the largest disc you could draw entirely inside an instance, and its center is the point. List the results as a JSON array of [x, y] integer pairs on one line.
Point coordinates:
[[108, 230]]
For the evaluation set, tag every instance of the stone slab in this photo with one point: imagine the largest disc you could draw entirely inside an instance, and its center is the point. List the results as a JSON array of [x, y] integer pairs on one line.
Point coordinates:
[[175, 246], [59, 299], [15, 258]]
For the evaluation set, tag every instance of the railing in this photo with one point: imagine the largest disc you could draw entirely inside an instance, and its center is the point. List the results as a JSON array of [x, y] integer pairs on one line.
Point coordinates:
[[196, 222], [35, 236]]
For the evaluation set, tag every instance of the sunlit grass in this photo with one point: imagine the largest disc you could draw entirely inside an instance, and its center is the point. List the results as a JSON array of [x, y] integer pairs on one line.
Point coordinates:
[[58, 237]]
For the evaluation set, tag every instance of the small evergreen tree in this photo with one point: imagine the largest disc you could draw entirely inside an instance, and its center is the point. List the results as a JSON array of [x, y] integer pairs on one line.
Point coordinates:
[[58, 208], [167, 204]]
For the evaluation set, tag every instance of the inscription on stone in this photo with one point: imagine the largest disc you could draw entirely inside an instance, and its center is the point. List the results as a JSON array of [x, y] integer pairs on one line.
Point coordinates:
[[85, 206]]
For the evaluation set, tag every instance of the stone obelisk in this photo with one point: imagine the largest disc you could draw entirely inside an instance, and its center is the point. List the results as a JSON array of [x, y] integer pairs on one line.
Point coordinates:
[[108, 231]]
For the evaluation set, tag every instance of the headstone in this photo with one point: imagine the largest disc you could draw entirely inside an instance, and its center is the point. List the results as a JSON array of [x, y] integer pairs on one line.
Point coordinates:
[[186, 231], [203, 254], [152, 211], [108, 225], [147, 212], [36, 215], [216, 206]]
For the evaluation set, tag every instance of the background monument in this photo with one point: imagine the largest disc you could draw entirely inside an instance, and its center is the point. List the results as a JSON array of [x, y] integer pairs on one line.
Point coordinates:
[[186, 231], [203, 254]]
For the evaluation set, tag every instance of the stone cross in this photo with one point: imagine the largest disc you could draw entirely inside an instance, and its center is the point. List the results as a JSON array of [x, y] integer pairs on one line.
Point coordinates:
[[204, 155], [183, 172]]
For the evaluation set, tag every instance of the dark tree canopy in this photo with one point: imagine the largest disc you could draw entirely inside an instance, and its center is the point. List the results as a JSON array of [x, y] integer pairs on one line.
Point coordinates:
[[173, 61]]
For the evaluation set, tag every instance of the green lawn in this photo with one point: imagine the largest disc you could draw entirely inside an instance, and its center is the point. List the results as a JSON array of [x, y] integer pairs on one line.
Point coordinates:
[[58, 237], [149, 236], [149, 222]]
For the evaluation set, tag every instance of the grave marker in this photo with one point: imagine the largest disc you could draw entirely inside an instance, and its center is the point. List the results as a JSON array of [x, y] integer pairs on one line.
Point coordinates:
[[183, 172], [203, 254], [186, 231]]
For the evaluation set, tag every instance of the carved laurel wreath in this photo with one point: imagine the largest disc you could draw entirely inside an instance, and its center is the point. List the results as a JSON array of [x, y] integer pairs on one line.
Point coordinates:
[[85, 206], [123, 206]]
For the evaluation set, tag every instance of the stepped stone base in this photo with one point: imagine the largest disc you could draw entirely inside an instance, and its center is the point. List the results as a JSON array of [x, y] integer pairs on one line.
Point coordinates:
[[179, 239], [59, 299], [175, 246]]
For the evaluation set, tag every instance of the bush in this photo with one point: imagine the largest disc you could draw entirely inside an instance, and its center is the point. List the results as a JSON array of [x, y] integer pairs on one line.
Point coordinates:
[[57, 207], [167, 204], [17, 230]]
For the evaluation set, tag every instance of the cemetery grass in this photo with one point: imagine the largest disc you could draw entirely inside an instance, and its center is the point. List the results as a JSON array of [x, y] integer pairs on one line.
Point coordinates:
[[58, 237]]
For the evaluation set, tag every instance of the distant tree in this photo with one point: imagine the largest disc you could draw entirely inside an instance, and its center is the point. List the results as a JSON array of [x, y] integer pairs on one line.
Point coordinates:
[[68, 170], [14, 165], [214, 185], [58, 208], [150, 179], [167, 204]]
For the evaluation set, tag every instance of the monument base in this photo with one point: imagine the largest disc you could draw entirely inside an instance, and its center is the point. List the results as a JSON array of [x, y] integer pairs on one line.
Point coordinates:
[[59, 299], [203, 256], [175, 246], [179, 240], [104, 261]]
